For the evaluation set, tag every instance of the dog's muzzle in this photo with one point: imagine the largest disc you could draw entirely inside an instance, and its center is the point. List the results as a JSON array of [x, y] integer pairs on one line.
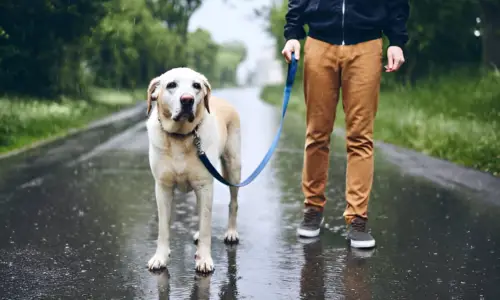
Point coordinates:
[[187, 102]]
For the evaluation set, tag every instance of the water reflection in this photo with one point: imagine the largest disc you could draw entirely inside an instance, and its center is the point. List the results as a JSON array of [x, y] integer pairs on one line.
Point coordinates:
[[356, 274], [344, 273], [229, 289], [201, 288], [163, 282], [201, 285], [312, 275]]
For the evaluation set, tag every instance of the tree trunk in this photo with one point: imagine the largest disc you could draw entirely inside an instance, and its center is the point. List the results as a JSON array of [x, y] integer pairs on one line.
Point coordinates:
[[490, 21]]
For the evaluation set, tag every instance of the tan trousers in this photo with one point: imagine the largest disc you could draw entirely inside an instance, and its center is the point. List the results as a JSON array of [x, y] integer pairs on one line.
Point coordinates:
[[357, 69]]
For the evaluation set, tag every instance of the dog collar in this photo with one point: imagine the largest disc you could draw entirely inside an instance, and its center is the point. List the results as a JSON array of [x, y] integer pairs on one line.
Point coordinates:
[[179, 135]]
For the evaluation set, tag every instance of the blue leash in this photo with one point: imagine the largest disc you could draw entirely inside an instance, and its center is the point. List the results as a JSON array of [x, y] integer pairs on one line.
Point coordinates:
[[292, 69]]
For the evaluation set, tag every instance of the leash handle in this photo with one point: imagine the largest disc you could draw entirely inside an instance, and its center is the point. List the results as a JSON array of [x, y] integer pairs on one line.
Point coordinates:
[[290, 78], [292, 69]]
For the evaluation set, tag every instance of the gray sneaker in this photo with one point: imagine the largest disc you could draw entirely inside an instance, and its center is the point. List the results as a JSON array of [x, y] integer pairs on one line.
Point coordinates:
[[310, 225], [358, 236]]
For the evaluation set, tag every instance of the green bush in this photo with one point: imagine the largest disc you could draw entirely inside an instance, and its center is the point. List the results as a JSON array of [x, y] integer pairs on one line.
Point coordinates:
[[27, 120]]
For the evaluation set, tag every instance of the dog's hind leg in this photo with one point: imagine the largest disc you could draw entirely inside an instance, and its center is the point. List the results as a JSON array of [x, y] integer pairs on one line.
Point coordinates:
[[164, 196], [231, 170]]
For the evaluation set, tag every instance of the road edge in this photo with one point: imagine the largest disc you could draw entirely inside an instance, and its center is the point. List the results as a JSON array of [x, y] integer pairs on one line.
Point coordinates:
[[131, 113], [443, 172]]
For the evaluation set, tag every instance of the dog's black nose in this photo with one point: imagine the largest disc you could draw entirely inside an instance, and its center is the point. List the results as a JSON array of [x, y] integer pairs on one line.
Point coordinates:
[[187, 100]]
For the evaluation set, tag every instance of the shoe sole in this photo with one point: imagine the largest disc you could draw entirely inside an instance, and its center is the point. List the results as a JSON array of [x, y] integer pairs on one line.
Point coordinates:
[[310, 233], [362, 244]]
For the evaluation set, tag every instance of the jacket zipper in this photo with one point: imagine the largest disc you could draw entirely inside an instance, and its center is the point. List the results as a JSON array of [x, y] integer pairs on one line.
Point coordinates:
[[343, 17]]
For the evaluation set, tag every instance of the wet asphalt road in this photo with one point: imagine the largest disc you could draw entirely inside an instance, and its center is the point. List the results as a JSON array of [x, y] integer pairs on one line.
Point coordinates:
[[85, 230]]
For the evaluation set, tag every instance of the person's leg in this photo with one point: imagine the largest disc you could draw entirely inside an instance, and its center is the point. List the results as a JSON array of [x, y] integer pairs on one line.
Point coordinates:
[[362, 69], [321, 92]]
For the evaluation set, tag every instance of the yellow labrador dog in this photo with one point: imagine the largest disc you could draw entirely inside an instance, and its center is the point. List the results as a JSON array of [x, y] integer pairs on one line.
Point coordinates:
[[184, 105]]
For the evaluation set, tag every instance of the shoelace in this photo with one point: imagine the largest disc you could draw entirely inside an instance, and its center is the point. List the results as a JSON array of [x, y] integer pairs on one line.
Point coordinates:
[[358, 225], [310, 215]]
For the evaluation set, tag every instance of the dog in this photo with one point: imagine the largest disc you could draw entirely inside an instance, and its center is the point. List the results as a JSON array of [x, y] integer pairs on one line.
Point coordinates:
[[185, 108]]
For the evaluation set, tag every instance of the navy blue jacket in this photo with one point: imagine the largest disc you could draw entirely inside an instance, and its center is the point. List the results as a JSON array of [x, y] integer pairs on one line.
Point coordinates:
[[347, 22]]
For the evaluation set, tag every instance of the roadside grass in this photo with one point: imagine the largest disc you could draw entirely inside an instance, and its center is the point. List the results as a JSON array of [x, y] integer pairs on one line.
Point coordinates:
[[26, 121], [456, 118]]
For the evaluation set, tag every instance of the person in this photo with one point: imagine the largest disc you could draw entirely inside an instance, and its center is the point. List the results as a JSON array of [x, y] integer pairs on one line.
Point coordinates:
[[343, 49]]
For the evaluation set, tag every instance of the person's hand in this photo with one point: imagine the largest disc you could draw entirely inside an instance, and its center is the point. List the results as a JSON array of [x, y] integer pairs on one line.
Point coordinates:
[[291, 46], [395, 59]]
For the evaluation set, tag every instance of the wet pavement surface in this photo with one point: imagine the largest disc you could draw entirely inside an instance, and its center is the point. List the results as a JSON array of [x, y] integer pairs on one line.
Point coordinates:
[[86, 229]]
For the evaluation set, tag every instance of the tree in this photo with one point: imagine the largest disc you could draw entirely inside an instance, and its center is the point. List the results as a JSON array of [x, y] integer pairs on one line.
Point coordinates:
[[441, 37], [40, 39], [130, 46], [490, 23], [229, 57], [202, 53], [61, 47], [176, 15]]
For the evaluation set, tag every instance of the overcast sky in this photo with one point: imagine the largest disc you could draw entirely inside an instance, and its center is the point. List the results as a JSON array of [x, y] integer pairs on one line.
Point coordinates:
[[235, 22]]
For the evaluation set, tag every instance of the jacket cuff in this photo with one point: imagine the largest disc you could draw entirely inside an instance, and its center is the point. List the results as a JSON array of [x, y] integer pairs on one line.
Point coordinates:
[[397, 41], [295, 34]]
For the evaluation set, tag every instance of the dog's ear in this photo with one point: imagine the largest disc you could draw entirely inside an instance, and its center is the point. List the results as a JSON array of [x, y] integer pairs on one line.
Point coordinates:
[[208, 93], [153, 92]]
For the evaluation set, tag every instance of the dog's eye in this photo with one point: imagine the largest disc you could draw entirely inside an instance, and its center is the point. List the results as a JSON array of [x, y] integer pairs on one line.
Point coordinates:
[[197, 86], [171, 85]]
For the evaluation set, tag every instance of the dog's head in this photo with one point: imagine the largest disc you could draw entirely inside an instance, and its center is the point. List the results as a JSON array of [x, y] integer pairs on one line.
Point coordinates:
[[181, 94]]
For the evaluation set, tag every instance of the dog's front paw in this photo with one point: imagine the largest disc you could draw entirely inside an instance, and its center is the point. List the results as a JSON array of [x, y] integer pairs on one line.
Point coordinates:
[[231, 237], [159, 261], [204, 264]]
